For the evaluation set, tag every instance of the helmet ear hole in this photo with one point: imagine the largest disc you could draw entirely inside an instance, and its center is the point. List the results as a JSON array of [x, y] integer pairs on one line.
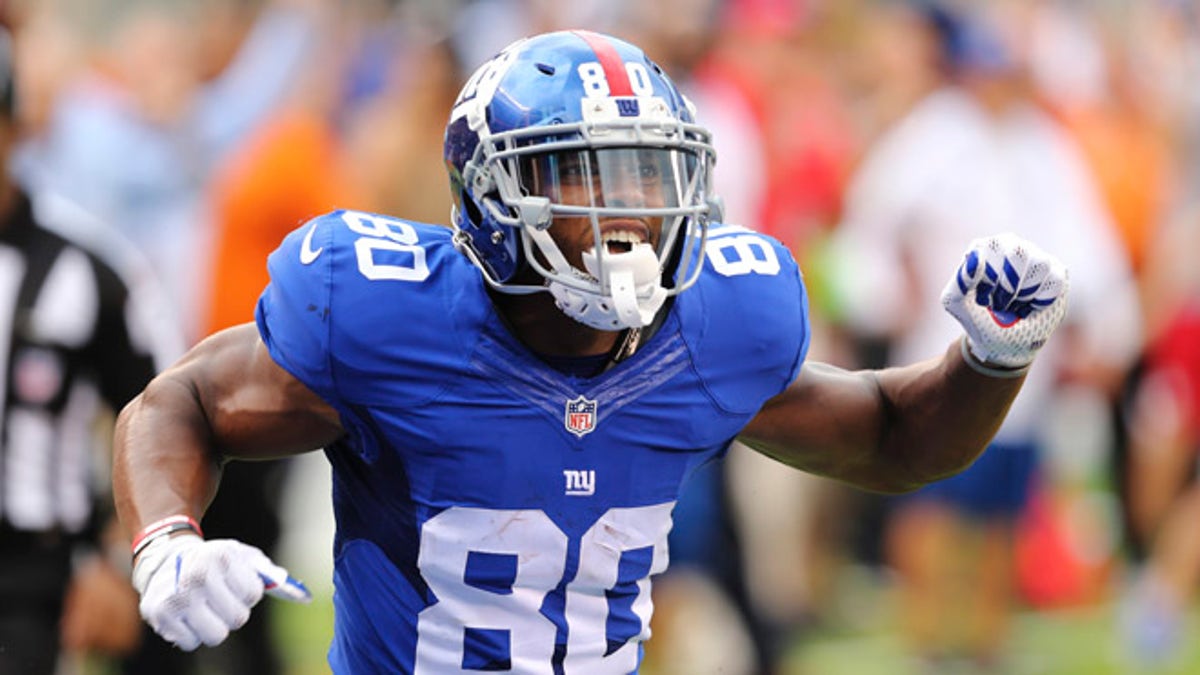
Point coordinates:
[[472, 210]]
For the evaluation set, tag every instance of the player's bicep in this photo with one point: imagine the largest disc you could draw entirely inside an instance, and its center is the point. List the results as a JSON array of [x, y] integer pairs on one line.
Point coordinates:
[[828, 421], [254, 408]]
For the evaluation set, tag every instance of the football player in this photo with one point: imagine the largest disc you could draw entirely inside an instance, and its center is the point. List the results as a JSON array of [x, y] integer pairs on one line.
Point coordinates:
[[510, 407]]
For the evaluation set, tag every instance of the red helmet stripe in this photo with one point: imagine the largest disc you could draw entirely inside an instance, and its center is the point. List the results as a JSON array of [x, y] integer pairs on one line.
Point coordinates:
[[610, 61]]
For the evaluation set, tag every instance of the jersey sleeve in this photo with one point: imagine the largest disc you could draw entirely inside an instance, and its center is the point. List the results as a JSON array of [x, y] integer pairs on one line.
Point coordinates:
[[293, 311], [748, 329], [370, 310]]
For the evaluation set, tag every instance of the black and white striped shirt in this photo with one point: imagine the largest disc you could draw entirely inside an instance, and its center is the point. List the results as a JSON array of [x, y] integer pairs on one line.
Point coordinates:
[[81, 332]]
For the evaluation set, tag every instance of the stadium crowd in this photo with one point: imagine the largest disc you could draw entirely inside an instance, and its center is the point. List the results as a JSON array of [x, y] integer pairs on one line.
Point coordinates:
[[874, 138]]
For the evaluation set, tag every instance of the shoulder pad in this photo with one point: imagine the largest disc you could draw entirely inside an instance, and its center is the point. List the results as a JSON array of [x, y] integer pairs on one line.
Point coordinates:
[[367, 309], [746, 320]]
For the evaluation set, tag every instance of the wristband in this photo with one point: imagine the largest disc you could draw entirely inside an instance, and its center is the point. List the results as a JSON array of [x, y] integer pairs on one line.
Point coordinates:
[[163, 528], [991, 371]]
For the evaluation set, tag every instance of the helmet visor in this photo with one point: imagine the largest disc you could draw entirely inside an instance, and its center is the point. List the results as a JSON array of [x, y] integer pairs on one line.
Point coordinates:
[[614, 178]]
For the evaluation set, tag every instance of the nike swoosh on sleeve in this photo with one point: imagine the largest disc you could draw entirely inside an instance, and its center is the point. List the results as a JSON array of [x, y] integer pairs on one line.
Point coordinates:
[[307, 254]]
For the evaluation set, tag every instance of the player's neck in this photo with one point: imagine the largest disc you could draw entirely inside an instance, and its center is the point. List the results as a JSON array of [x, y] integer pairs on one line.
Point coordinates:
[[544, 329]]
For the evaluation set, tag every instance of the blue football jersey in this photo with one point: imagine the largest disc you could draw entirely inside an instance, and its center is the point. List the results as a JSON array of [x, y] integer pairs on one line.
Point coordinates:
[[492, 512]]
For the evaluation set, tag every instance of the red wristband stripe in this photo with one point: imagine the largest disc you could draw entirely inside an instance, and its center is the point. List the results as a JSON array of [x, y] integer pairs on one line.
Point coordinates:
[[163, 527]]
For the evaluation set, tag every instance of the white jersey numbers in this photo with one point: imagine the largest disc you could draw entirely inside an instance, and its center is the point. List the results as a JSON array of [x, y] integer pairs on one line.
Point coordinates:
[[601, 600], [736, 251], [387, 248], [491, 570]]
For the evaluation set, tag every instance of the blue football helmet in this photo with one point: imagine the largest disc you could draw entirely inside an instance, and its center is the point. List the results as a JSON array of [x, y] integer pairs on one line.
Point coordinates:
[[572, 125]]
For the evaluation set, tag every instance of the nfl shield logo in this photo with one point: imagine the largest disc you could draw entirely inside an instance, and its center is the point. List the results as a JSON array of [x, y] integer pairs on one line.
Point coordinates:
[[580, 417]]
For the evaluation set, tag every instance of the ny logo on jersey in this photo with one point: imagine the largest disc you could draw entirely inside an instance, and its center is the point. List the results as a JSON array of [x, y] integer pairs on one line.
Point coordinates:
[[580, 417], [580, 483]]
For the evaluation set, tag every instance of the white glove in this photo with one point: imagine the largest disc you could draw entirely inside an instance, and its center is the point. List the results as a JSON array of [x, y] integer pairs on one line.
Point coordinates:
[[195, 591], [1009, 295]]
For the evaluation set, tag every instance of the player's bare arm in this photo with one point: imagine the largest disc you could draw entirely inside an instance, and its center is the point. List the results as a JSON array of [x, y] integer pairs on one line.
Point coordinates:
[[225, 399], [891, 430], [895, 430]]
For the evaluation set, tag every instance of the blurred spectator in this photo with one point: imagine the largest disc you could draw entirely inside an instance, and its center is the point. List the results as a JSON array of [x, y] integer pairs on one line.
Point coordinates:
[[290, 167], [1164, 462], [282, 176], [390, 131], [968, 153], [169, 90], [85, 332], [1164, 410], [784, 58], [361, 132], [1089, 83], [1165, 495]]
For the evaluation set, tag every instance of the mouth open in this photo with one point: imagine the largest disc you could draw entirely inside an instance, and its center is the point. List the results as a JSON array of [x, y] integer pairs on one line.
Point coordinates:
[[622, 238]]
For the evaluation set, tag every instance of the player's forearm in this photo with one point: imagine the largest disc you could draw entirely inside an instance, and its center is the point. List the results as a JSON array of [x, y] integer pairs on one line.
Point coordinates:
[[938, 417], [162, 464], [887, 431]]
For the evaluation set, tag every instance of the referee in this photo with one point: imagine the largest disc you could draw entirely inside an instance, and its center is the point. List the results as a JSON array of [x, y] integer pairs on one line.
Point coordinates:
[[79, 336]]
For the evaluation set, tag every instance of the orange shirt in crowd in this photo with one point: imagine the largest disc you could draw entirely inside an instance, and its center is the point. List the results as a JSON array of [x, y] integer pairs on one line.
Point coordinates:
[[1129, 160], [289, 173]]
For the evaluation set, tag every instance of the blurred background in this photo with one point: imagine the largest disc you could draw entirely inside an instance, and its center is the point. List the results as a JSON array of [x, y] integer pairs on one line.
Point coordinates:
[[875, 138]]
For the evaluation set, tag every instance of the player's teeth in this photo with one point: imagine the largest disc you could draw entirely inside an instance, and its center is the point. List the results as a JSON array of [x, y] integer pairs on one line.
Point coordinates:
[[622, 236]]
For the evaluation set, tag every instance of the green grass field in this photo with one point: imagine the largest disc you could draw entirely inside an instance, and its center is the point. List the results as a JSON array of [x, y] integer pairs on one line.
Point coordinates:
[[304, 633], [1075, 642]]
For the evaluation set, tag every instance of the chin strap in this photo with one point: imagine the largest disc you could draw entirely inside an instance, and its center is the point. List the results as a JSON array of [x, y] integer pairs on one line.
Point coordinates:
[[635, 291]]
